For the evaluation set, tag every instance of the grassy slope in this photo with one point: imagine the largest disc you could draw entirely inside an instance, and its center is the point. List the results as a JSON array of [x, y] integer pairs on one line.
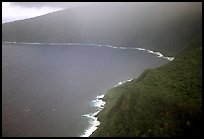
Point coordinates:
[[166, 101]]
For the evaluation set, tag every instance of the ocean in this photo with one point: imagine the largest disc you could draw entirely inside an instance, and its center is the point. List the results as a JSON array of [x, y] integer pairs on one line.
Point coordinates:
[[48, 89]]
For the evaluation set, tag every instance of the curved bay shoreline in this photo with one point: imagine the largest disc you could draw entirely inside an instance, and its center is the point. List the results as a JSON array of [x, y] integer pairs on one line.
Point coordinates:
[[98, 102], [158, 54]]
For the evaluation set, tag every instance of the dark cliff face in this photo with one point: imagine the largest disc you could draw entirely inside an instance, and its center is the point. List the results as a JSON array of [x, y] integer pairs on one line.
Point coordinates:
[[151, 25], [162, 102]]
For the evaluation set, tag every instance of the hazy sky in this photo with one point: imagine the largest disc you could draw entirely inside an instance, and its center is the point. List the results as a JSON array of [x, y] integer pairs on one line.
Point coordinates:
[[12, 11]]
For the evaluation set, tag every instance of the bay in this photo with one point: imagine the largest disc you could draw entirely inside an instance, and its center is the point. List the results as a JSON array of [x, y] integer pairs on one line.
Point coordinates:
[[47, 88]]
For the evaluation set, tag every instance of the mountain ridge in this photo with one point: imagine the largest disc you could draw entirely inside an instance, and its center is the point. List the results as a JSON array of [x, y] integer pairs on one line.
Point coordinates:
[[118, 24]]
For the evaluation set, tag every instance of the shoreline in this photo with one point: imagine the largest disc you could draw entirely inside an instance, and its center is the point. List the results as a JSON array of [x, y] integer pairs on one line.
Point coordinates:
[[98, 103], [158, 54], [94, 120]]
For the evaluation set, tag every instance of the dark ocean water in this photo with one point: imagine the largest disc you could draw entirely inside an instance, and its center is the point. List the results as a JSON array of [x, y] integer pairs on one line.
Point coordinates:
[[47, 88]]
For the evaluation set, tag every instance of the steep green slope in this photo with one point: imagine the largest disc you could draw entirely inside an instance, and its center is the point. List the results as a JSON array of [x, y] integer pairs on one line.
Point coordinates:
[[147, 25], [166, 101]]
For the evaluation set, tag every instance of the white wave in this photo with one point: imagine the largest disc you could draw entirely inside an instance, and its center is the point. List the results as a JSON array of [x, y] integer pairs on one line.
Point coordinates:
[[141, 49], [122, 48], [160, 55], [23, 42], [86, 115], [169, 58], [149, 51], [120, 83], [101, 96], [36, 43], [93, 120], [31, 43], [110, 46], [97, 102], [129, 80], [9, 42]]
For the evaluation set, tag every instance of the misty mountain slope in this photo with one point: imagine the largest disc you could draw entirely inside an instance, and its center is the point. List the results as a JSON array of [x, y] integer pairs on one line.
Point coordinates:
[[152, 26], [166, 101]]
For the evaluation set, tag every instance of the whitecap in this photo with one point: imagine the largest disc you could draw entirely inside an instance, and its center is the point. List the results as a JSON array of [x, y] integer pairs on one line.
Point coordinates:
[[141, 49], [122, 48], [169, 58], [101, 96], [122, 82], [149, 51], [93, 120], [110, 46]]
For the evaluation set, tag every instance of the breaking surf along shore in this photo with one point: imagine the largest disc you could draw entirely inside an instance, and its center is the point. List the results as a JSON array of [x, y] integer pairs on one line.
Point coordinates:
[[92, 117]]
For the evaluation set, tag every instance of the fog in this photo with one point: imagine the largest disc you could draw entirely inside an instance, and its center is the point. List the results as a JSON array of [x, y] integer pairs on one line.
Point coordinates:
[[148, 25], [47, 87]]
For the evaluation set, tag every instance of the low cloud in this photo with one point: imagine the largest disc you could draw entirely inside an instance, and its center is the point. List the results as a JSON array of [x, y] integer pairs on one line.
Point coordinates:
[[63, 5]]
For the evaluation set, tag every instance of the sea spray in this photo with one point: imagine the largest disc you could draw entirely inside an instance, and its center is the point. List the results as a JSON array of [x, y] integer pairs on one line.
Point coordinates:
[[120, 83], [92, 119], [158, 54]]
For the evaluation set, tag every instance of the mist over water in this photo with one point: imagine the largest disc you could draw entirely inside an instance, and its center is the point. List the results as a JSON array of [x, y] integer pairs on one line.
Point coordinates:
[[47, 88]]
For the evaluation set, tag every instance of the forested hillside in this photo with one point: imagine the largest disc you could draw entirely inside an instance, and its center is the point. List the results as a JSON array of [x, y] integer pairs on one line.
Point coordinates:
[[166, 101]]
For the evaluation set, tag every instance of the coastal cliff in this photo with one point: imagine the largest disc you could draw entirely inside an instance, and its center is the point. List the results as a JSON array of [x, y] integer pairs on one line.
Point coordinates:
[[165, 101]]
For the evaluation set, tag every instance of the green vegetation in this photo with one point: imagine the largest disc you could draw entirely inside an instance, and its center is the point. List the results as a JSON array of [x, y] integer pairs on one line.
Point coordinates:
[[163, 27], [166, 101]]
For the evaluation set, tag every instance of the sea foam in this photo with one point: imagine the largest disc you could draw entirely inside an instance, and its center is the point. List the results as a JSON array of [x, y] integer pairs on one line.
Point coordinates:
[[158, 54], [93, 120], [120, 83]]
